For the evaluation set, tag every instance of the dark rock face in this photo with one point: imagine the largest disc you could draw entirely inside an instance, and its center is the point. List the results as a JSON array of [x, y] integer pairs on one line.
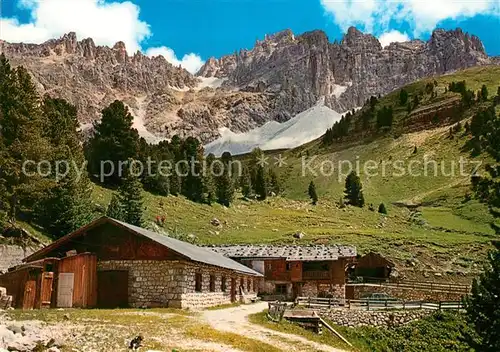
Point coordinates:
[[302, 69], [91, 76], [280, 77]]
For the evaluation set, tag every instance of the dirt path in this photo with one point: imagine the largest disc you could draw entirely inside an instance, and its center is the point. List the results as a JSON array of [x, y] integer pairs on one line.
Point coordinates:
[[235, 320]]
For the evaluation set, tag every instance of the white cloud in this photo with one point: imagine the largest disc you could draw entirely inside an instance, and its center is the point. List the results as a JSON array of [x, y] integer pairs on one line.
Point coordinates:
[[421, 15], [105, 22], [190, 62], [392, 37]]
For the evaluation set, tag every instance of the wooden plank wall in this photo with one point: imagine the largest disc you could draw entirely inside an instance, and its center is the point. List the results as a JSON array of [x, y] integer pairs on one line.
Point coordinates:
[[276, 270], [296, 271], [84, 266], [15, 283], [337, 269]]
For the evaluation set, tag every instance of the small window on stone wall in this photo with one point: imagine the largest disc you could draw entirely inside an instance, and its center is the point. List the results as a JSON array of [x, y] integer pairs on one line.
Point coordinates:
[[198, 282], [281, 289], [212, 283], [223, 286], [249, 285]]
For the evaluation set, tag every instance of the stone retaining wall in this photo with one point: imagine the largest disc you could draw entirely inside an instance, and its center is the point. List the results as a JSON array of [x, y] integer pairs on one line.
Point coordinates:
[[308, 289], [315, 289], [355, 318], [172, 283]]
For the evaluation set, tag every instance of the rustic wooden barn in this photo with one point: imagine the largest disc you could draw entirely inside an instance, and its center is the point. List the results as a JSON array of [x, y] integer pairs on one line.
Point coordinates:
[[22, 285], [292, 271], [373, 266], [112, 264], [43, 283]]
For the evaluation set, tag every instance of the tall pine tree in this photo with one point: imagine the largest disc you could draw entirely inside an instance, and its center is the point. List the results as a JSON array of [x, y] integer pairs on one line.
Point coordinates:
[[115, 209], [312, 193], [193, 181], [225, 184], [354, 190], [114, 141], [483, 306], [273, 182], [130, 196], [260, 183], [67, 206], [23, 142], [246, 182]]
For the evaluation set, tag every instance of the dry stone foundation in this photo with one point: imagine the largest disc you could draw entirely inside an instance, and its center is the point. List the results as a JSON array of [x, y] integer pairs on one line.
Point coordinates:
[[314, 289], [173, 284], [356, 318], [360, 291]]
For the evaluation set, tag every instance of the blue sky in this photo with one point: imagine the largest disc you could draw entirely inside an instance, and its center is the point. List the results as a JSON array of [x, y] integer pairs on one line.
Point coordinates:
[[188, 32]]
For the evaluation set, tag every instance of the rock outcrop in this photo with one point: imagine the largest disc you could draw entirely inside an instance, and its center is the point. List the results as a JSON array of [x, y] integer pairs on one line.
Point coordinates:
[[280, 77], [302, 69]]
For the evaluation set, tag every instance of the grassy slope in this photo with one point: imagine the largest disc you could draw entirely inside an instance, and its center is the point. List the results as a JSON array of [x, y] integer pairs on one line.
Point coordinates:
[[445, 234], [452, 236]]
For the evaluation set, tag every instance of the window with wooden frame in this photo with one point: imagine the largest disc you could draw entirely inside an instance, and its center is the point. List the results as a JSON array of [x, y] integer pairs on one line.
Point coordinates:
[[223, 286], [198, 278], [212, 283], [281, 289]]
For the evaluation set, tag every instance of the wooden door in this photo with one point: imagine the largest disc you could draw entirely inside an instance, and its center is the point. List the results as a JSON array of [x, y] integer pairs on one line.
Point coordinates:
[[29, 294], [297, 289], [349, 292], [233, 289], [65, 287], [112, 289], [46, 289]]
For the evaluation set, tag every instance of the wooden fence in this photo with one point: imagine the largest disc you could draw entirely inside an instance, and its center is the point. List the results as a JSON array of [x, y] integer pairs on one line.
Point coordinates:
[[416, 285], [366, 304]]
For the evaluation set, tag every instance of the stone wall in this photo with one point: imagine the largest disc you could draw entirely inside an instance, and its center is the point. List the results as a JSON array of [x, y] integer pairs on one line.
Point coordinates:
[[355, 318], [151, 283], [5, 301], [308, 289], [361, 291], [315, 289], [11, 256], [206, 298], [172, 283]]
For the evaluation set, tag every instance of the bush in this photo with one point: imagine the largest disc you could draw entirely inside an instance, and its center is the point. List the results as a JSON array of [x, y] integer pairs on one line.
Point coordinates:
[[382, 209]]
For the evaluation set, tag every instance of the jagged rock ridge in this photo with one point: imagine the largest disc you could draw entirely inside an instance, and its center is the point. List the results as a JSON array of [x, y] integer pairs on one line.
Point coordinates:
[[301, 69], [280, 77]]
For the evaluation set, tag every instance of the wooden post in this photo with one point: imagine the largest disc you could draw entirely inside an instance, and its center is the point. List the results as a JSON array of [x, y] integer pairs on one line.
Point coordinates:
[[404, 304], [439, 305], [325, 324], [368, 304]]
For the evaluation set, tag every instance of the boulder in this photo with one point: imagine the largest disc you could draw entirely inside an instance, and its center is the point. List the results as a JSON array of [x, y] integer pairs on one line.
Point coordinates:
[[215, 222], [299, 235]]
